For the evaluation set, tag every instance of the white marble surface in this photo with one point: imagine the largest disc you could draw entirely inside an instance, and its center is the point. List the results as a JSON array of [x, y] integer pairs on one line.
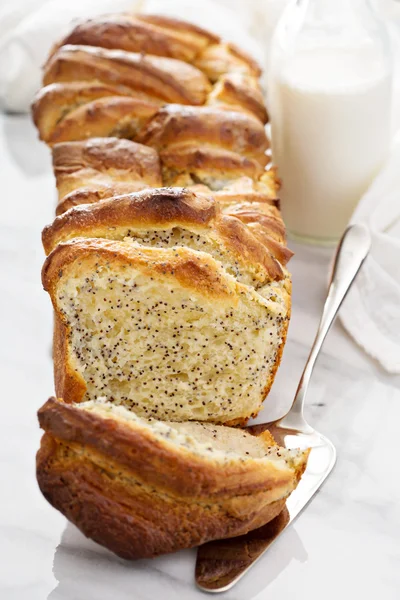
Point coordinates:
[[347, 542]]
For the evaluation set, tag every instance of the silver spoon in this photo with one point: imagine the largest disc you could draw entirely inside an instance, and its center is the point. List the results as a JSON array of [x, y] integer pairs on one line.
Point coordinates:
[[220, 564]]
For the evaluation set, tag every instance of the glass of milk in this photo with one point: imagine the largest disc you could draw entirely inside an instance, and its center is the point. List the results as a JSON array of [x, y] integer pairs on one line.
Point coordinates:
[[329, 101]]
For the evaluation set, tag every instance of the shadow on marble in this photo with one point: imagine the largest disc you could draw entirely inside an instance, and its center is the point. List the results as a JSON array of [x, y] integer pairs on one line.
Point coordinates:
[[83, 569], [270, 567], [23, 145]]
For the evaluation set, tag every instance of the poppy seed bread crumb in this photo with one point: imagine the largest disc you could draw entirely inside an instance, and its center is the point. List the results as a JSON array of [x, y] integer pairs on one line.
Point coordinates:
[[166, 332]]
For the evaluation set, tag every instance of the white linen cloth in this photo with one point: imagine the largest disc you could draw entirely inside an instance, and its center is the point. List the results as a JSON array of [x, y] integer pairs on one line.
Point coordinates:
[[371, 313], [28, 29]]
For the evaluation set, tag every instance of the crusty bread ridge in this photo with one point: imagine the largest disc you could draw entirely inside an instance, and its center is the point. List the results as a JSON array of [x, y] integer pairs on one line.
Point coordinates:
[[102, 168]]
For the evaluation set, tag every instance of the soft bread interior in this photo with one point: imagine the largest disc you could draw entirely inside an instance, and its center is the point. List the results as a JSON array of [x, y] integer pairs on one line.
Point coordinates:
[[212, 442], [172, 350], [180, 237]]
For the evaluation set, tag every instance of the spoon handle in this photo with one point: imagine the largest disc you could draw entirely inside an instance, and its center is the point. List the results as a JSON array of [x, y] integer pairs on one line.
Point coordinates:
[[350, 255]]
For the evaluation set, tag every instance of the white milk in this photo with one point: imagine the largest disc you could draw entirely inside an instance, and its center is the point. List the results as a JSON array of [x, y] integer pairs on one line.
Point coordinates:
[[330, 135]]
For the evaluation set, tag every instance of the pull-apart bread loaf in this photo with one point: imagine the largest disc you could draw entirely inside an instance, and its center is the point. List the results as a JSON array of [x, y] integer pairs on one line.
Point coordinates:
[[171, 303]]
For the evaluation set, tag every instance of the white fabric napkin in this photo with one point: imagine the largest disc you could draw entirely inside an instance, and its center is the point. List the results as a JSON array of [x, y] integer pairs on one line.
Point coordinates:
[[371, 313]]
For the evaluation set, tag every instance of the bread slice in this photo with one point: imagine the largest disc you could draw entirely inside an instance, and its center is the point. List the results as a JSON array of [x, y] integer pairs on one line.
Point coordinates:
[[165, 331], [162, 218], [143, 488]]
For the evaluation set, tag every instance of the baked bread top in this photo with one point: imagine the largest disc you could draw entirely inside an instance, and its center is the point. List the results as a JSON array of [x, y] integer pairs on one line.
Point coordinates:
[[239, 91], [157, 35], [100, 168], [219, 59], [94, 75], [151, 77], [175, 126]]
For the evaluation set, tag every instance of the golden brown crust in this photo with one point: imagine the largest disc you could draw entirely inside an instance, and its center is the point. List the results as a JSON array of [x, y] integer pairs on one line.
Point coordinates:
[[130, 496], [102, 191], [219, 59], [147, 209], [176, 126], [247, 247], [213, 167], [95, 169], [119, 116], [271, 221], [67, 381], [265, 222], [183, 28], [238, 91], [159, 36], [162, 78], [278, 249], [55, 101], [105, 154]]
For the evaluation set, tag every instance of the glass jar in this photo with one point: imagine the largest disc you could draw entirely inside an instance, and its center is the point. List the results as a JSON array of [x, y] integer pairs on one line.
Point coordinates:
[[329, 95]]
